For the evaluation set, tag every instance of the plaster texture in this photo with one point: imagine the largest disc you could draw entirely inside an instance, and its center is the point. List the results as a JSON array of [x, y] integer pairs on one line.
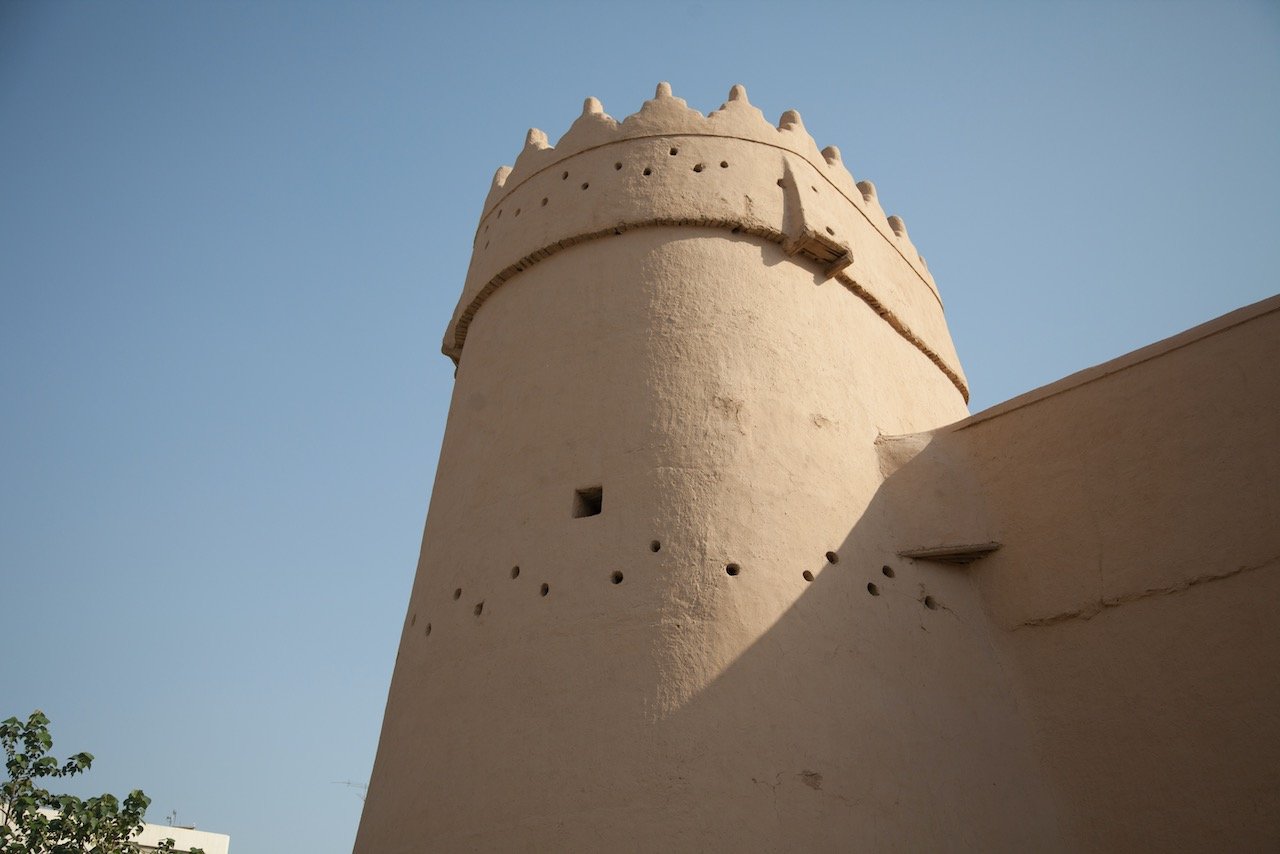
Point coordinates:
[[706, 408]]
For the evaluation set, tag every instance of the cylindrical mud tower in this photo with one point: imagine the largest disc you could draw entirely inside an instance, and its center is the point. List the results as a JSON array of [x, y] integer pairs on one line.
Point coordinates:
[[659, 607]]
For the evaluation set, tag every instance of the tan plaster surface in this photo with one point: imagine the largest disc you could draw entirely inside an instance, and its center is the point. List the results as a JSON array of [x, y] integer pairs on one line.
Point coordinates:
[[732, 171], [732, 655], [1138, 584]]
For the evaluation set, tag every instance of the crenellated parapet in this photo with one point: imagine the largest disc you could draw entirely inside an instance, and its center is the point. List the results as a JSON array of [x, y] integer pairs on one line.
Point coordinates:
[[669, 165]]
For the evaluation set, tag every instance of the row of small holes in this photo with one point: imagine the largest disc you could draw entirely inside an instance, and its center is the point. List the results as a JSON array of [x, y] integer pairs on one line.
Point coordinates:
[[730, 569], [479, 608], [648, 170], [616, 578], [872, 587], [724, 164], [654, 546]]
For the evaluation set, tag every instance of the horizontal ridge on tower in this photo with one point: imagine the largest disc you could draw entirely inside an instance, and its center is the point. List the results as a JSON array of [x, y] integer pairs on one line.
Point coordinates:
[[670, 165]]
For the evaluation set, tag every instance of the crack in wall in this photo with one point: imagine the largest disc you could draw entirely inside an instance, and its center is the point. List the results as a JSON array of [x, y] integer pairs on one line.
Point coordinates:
[[1095, 608]]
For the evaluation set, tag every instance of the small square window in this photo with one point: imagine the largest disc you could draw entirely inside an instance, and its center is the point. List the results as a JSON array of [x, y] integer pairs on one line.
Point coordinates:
[[588, 501]]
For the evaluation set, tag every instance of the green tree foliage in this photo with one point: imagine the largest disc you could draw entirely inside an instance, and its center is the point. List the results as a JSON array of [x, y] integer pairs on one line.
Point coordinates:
[[100, 825]]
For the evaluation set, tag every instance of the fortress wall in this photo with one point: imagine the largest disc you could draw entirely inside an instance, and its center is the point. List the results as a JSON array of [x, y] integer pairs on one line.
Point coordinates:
[[730, 170], [702, 328], [727, 400], [1138, 580], [700, 412]]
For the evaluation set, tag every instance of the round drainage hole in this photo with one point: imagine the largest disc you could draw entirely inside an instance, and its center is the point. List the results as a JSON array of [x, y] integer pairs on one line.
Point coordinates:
[[872, 589], [931, 603], [808, 576], [616, 578], [515, 572], [887, 571], [832, 557], [655, 546], [733, 569]]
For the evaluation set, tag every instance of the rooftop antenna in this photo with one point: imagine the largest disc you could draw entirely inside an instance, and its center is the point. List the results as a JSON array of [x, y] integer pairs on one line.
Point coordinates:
[[363, 787]]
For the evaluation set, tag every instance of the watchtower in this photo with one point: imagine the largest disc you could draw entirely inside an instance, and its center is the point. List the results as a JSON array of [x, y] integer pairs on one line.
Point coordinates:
[[658, 605]]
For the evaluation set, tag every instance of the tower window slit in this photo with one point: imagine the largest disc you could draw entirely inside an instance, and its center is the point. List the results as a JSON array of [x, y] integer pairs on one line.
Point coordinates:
[[588, 501]]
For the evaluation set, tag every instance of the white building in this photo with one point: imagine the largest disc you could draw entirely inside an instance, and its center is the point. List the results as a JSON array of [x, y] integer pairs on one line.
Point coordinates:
[[184, 838]]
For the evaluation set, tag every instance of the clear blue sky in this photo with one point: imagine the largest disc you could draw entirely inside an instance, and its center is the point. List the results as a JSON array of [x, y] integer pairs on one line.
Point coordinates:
[[231, 235]]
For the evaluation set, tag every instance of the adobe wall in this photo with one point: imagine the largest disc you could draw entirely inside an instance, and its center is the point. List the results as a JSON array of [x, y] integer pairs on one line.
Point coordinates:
[[731, 170], [1136, 588], [704, 324], [730, 655], [686, 708]]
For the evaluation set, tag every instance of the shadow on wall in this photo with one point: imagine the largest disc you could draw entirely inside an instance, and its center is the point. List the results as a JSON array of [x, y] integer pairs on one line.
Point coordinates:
[[875, 713], [1128, 679]]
